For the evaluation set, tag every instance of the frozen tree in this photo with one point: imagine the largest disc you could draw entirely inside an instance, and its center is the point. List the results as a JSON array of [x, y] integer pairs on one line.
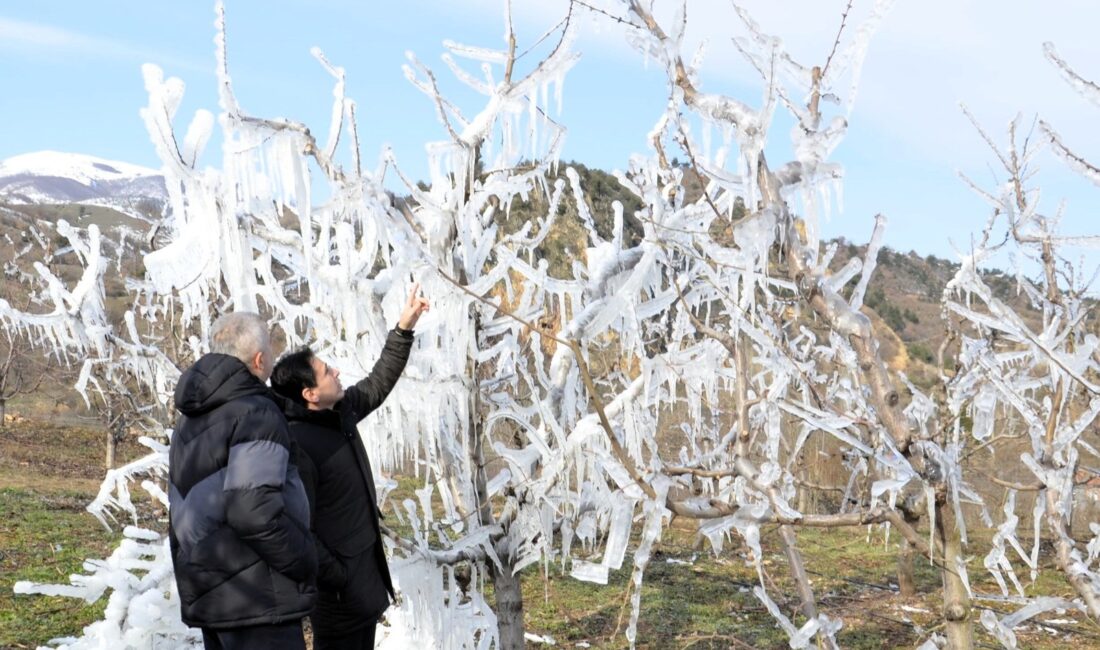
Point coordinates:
[[252, 236], [1041, 377], [827, 378], [21, 373], [124, 381], [71, 323], [529, 413]]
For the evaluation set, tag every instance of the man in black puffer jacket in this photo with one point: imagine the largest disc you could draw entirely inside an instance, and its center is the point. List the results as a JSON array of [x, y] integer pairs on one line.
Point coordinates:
[[354, 580], [244, 559]]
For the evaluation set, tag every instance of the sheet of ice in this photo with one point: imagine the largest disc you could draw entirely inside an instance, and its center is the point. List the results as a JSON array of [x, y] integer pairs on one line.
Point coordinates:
[[1003, 628]]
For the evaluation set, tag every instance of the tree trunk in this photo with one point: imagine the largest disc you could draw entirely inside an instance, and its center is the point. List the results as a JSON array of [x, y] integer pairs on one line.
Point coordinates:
[[957, 614], [1063, 553], [114, 436], [3, 411], [906, 585], [808, 604], [509, 606], [907, 556], [509, 597], [807, 496], [112, 447]]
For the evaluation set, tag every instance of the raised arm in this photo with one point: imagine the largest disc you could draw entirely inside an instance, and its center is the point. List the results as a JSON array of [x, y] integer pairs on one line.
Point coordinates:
[[371, 391]]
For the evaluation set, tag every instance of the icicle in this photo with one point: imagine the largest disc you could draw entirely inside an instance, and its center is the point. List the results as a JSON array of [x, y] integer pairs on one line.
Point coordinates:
[[871, 260]]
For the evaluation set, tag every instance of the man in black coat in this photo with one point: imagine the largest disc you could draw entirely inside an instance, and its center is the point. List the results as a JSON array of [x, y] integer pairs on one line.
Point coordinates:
[[244, 559], [353, 579]]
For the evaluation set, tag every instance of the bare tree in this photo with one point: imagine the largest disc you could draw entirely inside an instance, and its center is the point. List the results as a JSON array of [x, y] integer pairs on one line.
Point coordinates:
[[21, 373]]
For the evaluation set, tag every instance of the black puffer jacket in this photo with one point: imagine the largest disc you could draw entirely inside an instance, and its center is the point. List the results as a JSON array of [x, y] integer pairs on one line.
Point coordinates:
[[354, 579], [239, 517]]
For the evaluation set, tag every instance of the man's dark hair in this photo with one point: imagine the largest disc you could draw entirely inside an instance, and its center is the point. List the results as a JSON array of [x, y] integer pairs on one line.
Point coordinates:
[[292, 374]]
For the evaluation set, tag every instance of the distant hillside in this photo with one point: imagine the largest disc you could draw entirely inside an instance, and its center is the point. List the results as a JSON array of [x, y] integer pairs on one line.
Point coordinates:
[[905, 293], [24, 239], [56, 178]]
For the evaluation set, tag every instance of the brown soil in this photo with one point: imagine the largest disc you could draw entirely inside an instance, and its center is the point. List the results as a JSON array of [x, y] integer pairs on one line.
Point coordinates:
[[49, 457]]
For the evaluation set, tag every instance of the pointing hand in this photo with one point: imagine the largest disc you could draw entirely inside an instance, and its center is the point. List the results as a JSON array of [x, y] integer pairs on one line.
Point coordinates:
[[414, 307]]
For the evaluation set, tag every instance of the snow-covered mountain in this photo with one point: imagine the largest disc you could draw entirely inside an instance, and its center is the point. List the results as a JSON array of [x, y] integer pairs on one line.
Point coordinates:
[[51, 177]]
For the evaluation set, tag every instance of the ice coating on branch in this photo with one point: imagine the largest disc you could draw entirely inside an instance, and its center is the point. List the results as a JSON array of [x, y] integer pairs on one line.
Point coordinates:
[[1075, 162], [934, 642], [1003, 628], [837, 281], [1025, 372], [655, 516], [198, 134], [143, 604], [800, 637], [727, 110], [871, 260], [114, 492], [433, 612], [997, 562], [477, 53], [853, 56], [339, 103], [76, 323], [1086, 88]]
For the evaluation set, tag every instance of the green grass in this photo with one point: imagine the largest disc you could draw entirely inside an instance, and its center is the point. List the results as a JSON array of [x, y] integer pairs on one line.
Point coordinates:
[[45, 538], [696, 601], [702, 602], [709, 603]]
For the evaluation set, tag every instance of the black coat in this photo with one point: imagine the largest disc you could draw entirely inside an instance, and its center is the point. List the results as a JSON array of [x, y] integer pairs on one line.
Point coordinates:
[[239, 516], [354, 579]]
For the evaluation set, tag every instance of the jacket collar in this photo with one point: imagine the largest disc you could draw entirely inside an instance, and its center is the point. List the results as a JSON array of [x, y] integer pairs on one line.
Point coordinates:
[[328, 418]]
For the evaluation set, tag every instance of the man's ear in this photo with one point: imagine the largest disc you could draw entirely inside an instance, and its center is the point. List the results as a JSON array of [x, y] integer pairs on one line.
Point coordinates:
[[258, 361], [309, 395]]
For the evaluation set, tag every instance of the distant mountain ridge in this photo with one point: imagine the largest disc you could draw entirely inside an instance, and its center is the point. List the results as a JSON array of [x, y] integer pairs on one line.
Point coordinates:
[[52, 177]]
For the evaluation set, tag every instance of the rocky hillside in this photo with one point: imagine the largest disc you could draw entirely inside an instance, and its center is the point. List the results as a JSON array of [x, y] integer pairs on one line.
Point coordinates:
[[37, 190], [27, 235], [904, 297]]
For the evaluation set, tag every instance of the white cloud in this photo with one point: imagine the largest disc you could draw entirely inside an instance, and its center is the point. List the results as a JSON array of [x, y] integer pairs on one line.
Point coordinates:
[[23, 35], [44, 39]]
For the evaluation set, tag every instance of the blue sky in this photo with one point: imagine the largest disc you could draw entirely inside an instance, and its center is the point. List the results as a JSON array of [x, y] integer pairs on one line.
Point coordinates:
[[72, 82]]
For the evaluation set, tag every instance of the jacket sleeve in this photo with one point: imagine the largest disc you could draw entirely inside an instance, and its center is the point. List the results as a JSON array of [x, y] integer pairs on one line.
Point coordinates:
[[332, 575], [256, 503], [368, 394]]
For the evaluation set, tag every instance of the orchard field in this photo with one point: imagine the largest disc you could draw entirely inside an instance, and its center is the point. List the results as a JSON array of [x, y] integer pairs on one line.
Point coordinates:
[[692, 598], [653, 408]]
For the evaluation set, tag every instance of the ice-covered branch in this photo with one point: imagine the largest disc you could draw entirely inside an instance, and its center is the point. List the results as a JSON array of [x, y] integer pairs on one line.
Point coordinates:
[[1075, 162], [1088, 89]]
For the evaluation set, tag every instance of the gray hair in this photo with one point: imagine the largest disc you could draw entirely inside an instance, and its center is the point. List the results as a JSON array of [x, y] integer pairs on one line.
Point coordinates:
[[241, 334]]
